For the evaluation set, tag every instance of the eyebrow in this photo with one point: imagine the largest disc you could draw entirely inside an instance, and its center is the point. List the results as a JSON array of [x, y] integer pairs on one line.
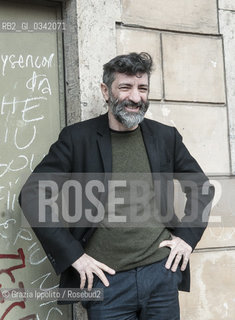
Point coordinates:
[[129, 85]]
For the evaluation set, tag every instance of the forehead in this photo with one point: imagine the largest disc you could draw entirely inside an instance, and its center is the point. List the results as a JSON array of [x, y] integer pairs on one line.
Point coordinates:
[[139, 79]]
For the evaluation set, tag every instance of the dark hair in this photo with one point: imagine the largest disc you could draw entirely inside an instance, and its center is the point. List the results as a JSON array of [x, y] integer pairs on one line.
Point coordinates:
[[130, 64]]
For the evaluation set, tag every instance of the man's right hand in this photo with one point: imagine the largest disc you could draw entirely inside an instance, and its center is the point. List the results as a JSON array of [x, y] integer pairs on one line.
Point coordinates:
[[86, 266]]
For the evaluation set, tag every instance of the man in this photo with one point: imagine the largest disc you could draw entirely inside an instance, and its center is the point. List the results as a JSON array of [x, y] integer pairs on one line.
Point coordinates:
[[139, 268]]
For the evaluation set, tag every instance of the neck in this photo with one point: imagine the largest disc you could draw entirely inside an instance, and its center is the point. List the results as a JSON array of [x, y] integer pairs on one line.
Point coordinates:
[[116, 125]]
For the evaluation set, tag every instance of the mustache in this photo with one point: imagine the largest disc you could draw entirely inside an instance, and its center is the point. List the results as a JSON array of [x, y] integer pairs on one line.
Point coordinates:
[[130, 103], [125, 103]]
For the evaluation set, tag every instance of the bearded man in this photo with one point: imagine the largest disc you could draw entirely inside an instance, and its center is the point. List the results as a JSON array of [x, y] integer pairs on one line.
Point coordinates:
[[140, 268]]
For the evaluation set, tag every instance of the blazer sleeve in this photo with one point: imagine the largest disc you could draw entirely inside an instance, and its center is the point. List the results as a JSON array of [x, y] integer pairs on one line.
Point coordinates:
[[199, 194], [58, 242]]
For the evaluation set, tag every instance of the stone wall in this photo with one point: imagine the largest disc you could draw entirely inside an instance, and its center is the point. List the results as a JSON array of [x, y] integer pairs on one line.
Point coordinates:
[[227, 28], [192, 87]]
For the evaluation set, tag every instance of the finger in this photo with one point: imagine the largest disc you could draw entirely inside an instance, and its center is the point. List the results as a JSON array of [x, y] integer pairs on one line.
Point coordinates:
[[83, 280], [176, 262], [90, 278], [105, 267], [170, 260], [102, 276], [165, 243], [184, 264]]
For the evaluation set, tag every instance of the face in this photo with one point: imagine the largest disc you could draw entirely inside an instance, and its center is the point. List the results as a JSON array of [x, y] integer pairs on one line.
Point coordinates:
[[128, 99]]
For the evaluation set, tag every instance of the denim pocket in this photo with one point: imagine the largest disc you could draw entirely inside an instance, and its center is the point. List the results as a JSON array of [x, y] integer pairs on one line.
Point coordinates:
[[172, 276]]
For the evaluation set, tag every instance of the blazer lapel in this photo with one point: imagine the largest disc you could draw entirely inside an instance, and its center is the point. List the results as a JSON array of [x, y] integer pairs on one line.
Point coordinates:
[[151, 144], [104, 143]]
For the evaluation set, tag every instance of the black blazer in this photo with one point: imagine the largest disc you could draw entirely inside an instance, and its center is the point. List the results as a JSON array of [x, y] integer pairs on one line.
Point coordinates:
[[86, 147]]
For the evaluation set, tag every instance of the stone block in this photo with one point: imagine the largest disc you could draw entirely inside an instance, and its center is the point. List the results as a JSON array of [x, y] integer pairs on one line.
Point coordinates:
[[219, 232], [204, 130], [193, 68], [198, 16], [227, 4], [130, 40], [227, 27], [215, 237], [212, 287]]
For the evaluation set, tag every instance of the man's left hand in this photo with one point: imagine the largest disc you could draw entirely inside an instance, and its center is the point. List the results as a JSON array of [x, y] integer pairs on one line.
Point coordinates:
[[179, 249]]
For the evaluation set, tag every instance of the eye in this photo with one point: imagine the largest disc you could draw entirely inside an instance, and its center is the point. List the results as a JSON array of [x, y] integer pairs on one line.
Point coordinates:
[[124, 88], [143, 89]]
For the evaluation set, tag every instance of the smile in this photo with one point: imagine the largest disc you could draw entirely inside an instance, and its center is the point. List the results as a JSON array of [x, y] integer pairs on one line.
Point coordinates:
[[132, 108]]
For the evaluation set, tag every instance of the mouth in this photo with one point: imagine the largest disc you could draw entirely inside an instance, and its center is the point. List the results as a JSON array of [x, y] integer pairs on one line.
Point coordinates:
[[132, 108]]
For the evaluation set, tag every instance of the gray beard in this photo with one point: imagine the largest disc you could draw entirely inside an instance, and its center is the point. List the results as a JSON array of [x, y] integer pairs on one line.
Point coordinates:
[[128, 119]]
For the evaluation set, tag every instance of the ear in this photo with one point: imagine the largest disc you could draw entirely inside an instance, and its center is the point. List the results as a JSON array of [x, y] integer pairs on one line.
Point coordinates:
[[105, 91]]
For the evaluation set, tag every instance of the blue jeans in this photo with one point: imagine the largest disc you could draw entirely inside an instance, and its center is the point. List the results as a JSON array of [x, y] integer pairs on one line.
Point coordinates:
[[144, 293]]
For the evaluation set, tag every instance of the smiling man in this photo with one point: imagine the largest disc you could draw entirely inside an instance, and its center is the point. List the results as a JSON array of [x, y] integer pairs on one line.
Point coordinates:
[[141, 268]]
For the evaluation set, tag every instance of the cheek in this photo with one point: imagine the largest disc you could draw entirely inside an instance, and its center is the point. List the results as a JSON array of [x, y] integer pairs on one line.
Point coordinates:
[[144, 97], [123, 96]]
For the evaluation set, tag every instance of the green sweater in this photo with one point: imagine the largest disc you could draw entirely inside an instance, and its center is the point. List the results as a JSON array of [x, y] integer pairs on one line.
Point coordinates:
[[134, 243]]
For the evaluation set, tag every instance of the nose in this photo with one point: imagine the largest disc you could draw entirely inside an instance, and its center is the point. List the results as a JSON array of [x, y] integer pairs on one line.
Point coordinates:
[[135, 95]]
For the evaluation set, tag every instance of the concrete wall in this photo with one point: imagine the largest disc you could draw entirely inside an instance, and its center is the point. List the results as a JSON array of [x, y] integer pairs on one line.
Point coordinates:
[[192, 43], [227, 28]]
